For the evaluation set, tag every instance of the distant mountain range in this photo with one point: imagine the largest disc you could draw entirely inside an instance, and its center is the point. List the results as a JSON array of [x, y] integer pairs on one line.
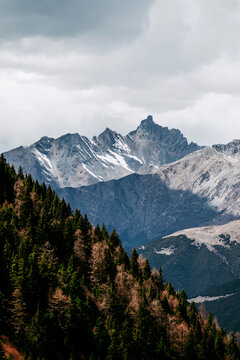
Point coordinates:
[[148, 185], [74, 160]]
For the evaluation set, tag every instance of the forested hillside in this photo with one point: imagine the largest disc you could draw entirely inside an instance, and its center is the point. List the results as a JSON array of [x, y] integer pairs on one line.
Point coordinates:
[[69, 291]]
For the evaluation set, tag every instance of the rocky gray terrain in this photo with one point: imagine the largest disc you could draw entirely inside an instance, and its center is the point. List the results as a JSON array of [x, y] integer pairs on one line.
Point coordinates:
[[74, 160], [212, 173]]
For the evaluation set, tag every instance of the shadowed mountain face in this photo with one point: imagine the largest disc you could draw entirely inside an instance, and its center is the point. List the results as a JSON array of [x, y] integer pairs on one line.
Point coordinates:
[[199, 259], [140, 207], [192, 265], [224, 304], [200, 189], [74, 160]]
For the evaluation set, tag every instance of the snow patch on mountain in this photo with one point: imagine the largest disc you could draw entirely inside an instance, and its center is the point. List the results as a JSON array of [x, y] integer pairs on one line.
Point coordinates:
[[166, 251], [212, 236], [122, 146], [91, 173], [200, 299], [43, 159]]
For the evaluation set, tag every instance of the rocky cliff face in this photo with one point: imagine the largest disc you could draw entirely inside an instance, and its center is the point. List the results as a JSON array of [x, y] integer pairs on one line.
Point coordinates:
[[74, 160], [232, 148]]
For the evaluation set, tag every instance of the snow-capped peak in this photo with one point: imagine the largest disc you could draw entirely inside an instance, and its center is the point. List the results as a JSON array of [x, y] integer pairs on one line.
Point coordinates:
[[74, 160]]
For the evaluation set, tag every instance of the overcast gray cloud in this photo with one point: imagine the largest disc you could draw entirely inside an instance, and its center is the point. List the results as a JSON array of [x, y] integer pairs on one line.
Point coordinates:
[[91, 20], [79, 66]]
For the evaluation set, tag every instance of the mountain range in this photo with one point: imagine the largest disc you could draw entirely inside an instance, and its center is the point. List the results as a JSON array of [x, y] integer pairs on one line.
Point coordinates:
[[74, 160], [201, 188], [178, 203]]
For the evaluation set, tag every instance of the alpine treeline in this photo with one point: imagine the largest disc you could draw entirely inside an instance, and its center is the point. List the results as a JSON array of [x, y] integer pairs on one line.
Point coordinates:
[[69, 291]]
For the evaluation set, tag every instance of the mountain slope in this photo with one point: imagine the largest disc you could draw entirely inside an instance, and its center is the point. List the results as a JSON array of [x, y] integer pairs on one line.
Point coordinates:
[[213, 236], [198, 259], [74, 160], [140, 207], [149, 206], [212, 173], [69, 291], [223, 301]]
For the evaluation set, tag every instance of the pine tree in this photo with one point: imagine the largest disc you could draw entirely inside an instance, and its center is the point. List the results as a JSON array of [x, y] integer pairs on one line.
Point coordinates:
[[146, 272], [109, 267], [170, 289], [145, 335], [193, 313], [114, 240], [20, 173], [134, 266], [104, 231], [189, 350], [123, 259], [101, 337], [183, 303], [160, 280], [233, 350], [2, 352]]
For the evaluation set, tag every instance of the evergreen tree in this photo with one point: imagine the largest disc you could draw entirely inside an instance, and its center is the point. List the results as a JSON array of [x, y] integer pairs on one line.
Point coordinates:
[[146, 272], [2, 352], [160, 279], [189, 350], [114, 240], [134, 266], [69, 291], [183, 303], [233, 350], [170, 289]]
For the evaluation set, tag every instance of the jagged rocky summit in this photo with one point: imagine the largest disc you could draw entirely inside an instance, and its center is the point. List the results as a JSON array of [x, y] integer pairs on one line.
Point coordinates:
[[74, 160]]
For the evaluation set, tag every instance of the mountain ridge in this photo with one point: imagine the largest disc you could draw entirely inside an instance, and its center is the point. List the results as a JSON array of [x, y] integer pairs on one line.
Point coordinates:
[[74, 160]]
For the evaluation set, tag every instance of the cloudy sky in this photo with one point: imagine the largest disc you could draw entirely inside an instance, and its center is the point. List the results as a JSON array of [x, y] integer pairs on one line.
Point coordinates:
[[83, 65]]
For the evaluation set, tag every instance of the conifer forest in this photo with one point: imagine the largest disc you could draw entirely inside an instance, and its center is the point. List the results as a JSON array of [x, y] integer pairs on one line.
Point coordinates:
[[69, 291]]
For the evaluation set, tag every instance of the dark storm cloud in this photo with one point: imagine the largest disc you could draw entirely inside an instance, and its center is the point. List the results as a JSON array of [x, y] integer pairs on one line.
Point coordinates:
[[108, 19]]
